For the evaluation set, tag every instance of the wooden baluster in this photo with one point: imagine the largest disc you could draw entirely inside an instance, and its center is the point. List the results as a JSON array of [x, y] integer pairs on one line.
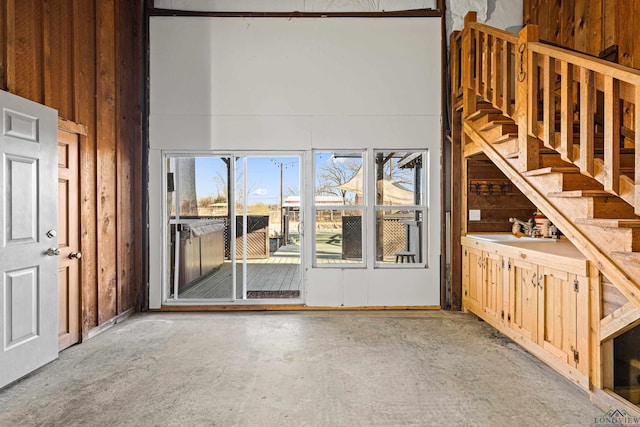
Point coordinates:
[[566, 111], [496, 75], [468, 65], [528, 146], [587, 107], [533, 90], [549, 105], [507, 79], [487, 65], [454, 65], [637, 151], [611, 134], [478, 62]]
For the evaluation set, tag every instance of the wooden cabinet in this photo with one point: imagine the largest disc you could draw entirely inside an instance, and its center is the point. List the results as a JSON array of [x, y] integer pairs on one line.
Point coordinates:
[[563, 323], [494, 290], [485, 284], [474, 278], [540, 300], [524, 288]]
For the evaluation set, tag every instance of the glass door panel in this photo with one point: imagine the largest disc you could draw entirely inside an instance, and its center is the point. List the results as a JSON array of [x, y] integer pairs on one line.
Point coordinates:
[[198, 227], [233, 229], [272, 238]]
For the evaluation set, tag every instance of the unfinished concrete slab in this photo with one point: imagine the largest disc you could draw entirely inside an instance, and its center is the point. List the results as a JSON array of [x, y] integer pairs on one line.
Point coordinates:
[[297, 368]]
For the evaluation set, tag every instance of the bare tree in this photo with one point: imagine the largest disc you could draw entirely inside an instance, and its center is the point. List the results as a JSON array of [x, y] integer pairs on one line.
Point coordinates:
[[336, 173]]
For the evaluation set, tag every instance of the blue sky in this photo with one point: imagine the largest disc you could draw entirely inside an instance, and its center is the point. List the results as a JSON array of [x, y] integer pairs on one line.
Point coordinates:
[[263, 179]]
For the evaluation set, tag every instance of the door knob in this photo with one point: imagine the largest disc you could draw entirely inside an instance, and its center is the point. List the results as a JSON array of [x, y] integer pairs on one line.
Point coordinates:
[[75, 255], [53, 252]]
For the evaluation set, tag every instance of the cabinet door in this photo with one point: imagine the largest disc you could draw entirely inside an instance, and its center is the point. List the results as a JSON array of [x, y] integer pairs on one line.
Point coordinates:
[[563, 315], [508, 291], [493, 291], [525, 295], [473, 279], [557, 314]]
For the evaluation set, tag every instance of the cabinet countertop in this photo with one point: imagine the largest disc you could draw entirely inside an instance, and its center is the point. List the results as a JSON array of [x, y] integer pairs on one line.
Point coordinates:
[[560, 254]]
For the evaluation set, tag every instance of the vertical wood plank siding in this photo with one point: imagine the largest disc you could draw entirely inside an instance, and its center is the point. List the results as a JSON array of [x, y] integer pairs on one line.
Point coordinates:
[[596, 25], [84, 24], [106, 160], [84, 58]]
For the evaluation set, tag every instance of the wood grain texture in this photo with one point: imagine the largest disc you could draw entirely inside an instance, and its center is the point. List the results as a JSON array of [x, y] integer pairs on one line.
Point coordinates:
[[106, 160], [58, 56], [581, 25], [609, 19], [594, 26], [456, 210], [635, 63], [623, 33], [65, 54], [3, 44], [554, 21], [27, 77], [566, 23], [128, 150], [84, 71]]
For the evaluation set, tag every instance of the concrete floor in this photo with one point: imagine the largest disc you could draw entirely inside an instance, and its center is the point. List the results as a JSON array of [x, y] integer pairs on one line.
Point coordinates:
[[298, 369]]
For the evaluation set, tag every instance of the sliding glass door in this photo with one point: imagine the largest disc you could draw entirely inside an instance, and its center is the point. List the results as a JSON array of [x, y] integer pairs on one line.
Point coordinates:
[[233, 228]]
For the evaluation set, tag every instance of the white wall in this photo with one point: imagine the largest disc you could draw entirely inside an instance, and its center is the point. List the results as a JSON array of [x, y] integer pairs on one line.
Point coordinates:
[[503, 14], [300, 84], [295, 5]]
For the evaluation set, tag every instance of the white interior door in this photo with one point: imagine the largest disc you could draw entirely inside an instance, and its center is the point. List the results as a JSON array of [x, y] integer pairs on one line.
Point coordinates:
[[28, 242]]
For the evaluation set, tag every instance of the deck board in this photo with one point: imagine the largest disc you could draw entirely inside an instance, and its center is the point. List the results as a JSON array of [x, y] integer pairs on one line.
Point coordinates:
[[278, 272]]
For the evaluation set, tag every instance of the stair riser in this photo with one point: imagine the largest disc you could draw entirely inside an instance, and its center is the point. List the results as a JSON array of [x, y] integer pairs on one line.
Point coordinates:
[[609, 208], [576, 181], [627, 160], [564, 182], [486, 119], [613, 239], [591, 207], [492, 134], [510, 128], [550, 160], [507, 147]]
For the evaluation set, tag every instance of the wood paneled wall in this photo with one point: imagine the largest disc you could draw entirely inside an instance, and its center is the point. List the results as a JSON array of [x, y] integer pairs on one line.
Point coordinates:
[[493, 194], [85, 59], [589, 26]]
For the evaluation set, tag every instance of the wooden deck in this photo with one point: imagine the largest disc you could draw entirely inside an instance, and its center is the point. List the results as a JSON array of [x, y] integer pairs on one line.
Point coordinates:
[[275, 277]]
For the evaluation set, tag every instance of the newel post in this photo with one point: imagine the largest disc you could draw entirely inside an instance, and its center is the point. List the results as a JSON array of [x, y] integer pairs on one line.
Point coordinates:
[[468, 65], [526, 107]]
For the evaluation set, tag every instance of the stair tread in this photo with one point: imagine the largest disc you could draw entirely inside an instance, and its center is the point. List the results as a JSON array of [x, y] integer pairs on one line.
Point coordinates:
[[610, 222], [598, 150], [482, 112], [581, 193], [504, 138], [495, 123], [631, 257], [552, 169]]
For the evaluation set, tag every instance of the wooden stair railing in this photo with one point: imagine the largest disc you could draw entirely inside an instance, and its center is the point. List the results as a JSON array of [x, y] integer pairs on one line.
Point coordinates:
[[584, 79], [518, 75], [562, 102]]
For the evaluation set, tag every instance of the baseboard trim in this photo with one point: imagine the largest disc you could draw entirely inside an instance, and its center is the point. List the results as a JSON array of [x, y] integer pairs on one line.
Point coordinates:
[[109, 323]]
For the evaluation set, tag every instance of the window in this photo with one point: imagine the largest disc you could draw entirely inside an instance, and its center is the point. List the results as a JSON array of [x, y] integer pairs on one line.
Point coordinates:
[[338, 208], [399, 207], [346, 209]]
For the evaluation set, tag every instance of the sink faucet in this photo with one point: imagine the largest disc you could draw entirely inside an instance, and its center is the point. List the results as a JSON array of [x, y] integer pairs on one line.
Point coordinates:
[[527, 227]]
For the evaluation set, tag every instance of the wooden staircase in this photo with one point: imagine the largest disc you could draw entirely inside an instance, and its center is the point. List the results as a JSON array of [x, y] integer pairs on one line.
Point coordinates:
[[576, 202], [562, 127]]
